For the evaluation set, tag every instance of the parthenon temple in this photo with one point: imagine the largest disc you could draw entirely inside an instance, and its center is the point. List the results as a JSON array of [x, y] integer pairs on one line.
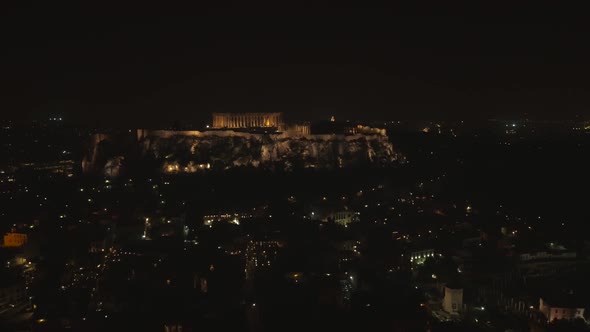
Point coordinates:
[[247, 120]]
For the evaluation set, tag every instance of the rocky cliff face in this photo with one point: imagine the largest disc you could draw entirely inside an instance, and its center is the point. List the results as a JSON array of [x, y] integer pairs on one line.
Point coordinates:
[[190, 152], [194, 151]]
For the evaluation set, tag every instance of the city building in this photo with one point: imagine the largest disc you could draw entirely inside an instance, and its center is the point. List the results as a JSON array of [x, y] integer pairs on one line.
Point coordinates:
[[544, 255], [299, 129], [552, 259], [234, 218], [344, 218], [561, 308], [15, 239], [58, 167], [453, 300], [418, 257], [345, 128], [261, 254]]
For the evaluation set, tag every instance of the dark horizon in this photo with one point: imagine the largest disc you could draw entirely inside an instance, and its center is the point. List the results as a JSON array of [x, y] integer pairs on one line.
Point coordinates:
[[148, 66]]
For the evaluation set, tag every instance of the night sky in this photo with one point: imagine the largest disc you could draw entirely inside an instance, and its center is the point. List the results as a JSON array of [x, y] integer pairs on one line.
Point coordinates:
[[148, 66]]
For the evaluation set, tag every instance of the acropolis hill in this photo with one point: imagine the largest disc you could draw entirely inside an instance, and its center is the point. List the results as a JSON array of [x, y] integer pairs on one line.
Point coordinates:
[[250, 140]]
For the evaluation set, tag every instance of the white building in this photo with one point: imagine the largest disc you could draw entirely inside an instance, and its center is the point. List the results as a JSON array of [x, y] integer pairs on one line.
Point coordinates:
[[560, 310], [344, 218], [453, 300], [418, 257]]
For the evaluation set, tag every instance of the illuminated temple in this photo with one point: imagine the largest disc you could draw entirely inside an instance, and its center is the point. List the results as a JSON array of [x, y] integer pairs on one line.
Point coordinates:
[[247, 120]]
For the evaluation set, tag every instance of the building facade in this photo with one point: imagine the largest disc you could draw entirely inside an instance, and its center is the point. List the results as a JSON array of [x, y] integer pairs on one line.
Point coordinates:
[[453, 300], [260, 255], [343, 218], [419, 257], [556, 310], [299, 129], [247, 120], [15, 239]]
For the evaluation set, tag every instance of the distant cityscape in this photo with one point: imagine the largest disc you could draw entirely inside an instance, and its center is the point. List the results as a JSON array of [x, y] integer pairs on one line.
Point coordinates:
[[256, 224]]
